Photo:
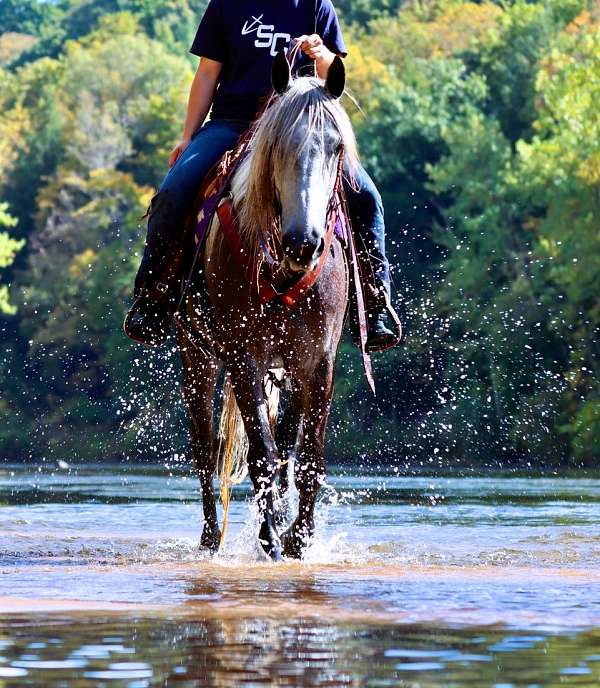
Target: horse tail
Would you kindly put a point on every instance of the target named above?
(232, 466)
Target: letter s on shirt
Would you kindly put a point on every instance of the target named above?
(267, 38)
(264, 36)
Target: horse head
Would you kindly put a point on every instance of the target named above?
(304, 186)
(299, 148)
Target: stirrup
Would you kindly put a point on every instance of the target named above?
(398, 326)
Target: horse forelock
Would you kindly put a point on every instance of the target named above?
(296, 119)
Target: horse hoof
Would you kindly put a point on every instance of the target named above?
(293, 544)
(269, 541)
(210, 540)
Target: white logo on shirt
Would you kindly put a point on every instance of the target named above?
(266, 36)
(253, 26)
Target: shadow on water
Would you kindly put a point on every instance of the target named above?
(147, 651)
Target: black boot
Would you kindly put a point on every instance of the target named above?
(158, 281)
(149, 318)
(367, 218)
(383, 325)
(379, 336)
(382, 334)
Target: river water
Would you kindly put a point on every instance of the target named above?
(410, 581)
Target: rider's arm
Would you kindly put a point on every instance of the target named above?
(323, 62)
(327, 40)
(201, 94)
(199, 102)
(313, 47)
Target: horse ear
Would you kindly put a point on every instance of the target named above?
(336, 77)
(281, 73)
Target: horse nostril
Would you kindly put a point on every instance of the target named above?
(302, 247)
(290, 242)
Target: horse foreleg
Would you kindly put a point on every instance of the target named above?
(263, 458)
(200, 381)
(310, 467)
(288, 437)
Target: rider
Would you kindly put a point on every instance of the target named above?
(237, 41)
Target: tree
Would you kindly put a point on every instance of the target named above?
(27, 16)
(363, 11)
(508, 58)
(478, 122)
(561, 167)
(8, 251)
(105, 92)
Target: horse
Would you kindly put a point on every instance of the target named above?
(281, 193)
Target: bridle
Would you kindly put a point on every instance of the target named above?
(270, 246)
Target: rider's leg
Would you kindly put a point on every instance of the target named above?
(158, 278)
(367, 216)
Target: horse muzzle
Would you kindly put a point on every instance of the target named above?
(302, 251)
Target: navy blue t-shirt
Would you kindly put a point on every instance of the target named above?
(245, 35)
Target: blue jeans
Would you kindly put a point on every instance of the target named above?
(368, 224)
(173, 203)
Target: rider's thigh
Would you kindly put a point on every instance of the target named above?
(207, 146)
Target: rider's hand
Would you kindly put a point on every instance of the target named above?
(312, 46)
(178, 150)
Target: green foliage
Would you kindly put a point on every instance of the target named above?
(509, 55)
(27, 16)
(483, 139)
(561, 167)
(8, 251)
(89, 132)
(171, 22)
(363, 11)
(479, 123)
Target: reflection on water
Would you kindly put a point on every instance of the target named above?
(409, 581)
(143, 652)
